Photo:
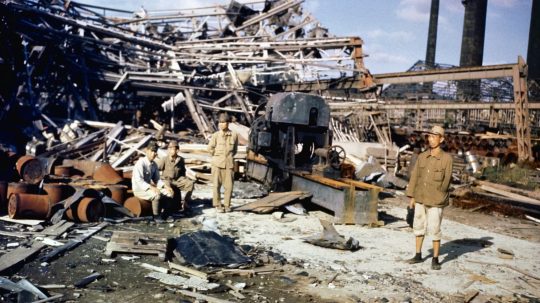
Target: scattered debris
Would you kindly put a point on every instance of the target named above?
(330, 238)
(205, 248)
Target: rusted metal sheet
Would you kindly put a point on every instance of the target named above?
(29, 206)
(138, 207)
(350, 204)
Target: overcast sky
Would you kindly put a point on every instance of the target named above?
(395, 31)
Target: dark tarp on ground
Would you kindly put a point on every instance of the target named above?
(204, 248)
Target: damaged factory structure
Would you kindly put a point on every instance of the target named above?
(119, 129)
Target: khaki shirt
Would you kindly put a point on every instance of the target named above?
(222, 147)
(172, 169)
(430, 179)
(144, 174)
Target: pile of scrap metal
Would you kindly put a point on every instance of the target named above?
(89, 170)
(72, 61)
(82, 190)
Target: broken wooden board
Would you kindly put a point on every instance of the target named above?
(137, 243)
(21, 221)
(57, 229)
(18, 255)
(273, 201)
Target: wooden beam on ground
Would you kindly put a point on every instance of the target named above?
(273, 201)
(19, 255)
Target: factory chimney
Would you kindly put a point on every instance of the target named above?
(474, 28)
(431, 42)
(432, 34)
(472, 44)
(533, 51)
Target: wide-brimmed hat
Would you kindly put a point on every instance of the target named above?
(437, 130)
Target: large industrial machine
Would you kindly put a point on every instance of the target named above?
(290, 143)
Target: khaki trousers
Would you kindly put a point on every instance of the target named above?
(427, 220)
(225, 177)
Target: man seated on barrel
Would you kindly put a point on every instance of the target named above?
(147, 184)
(173, 173)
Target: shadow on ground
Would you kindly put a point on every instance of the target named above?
(455, 248)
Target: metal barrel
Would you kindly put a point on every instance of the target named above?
(117, 192)
(105, 173)
(139, 207)
(29, 206)
(58, 191)
(30, 169)
(86, 210)
(3, 197)
(20, 188)
(63, 170)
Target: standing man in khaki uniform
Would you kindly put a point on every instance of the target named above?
(173, 172)
(428, 190)
(222, 146)
(146, 183)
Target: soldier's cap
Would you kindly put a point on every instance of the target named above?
(224, 117)
(172, 143)
(152, 146)
(437, 130)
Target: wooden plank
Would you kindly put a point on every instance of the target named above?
(528, 193)
(21, 221)
(18, 255)
(112, 135)
(188, 270)
(274, 200)
(13, 234)
(128, 154)
(58, 228)
(202, 297)
(510, 195)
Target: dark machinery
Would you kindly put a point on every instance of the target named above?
(293, 135)
(291, 150)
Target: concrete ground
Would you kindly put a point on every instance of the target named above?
(472, 261)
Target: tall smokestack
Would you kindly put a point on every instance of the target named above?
(472, 45)
(432, 34)
(533, 51)
(432, 41)
(474, 28)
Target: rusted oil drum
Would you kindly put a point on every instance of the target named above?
(87, 210)
(138, 207)
(117, 192)
(127, 174)
(105, 173)
(21, 188)
(29, 206)
(3, 197)
(63, 170)
(58, 191)
(30, 169)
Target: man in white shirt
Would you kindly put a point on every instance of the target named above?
(147, 184)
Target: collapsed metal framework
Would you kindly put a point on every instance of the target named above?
(83, 61)
(516, 112)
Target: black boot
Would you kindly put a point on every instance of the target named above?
(435, 265)
(416, 259)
